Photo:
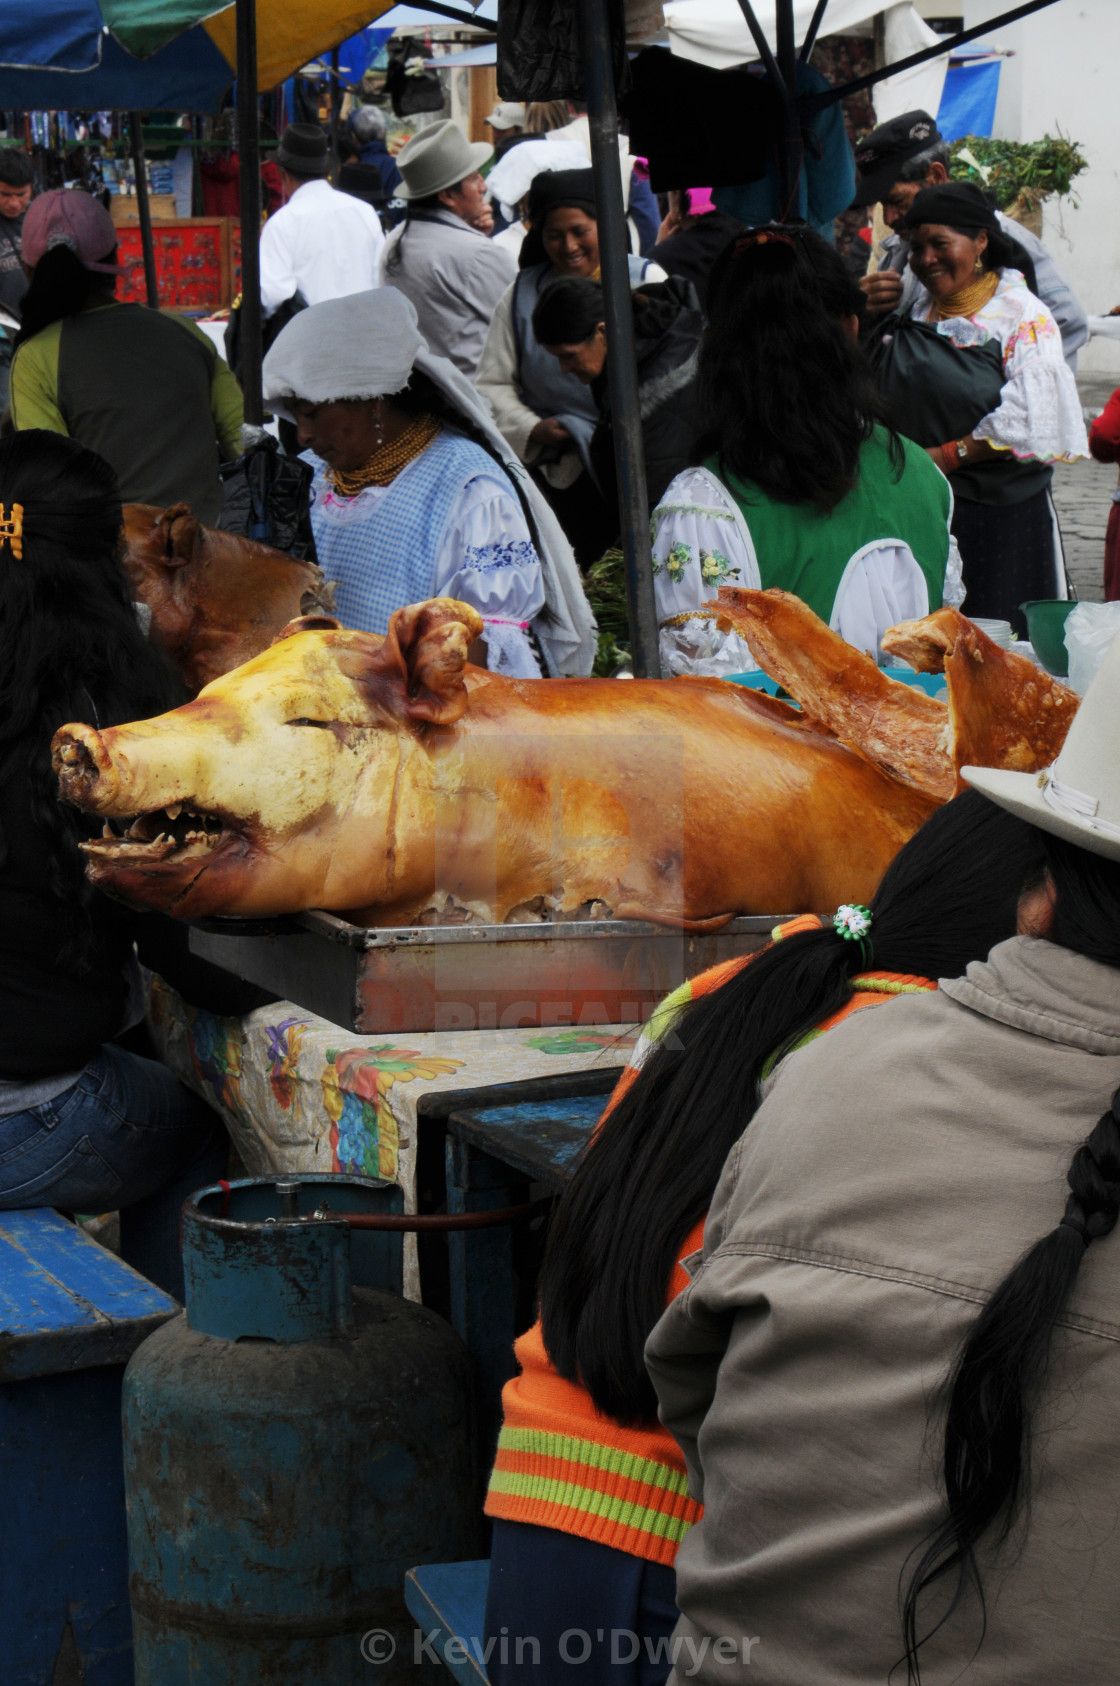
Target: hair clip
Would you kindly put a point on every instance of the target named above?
(852, 921)
(11, 529)
(763, 237)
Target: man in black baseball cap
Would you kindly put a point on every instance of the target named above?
(895, 162)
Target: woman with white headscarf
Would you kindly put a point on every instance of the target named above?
(414, 492)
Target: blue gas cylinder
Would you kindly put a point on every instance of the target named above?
(293, 1444)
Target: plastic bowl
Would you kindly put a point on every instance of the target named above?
(1046, 628)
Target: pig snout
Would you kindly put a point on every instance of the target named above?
(86, 774)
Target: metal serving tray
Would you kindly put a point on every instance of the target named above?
(385, 980)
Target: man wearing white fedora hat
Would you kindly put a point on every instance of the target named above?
(453, 274)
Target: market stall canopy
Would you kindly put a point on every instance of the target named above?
(179, 55)
(715, 32)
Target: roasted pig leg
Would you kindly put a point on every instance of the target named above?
(896, 727)
(1004, 711)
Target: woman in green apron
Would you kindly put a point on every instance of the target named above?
(800, 483)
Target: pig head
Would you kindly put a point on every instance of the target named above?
(216, 599)
(387, 779)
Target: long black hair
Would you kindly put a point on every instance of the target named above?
(649, 1174)
(61, 286)
(986, 1456)
(71, 647)
(785, 392)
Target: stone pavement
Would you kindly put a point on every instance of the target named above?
(1082, 495)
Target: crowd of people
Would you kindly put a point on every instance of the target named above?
(960, 344)
(821, 1368)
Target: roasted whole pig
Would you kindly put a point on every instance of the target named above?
(389, 780)
(216, 598)
(1003, 710)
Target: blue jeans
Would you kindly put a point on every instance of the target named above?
(126, 1135)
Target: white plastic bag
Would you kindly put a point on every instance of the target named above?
(692, 643)
(1090, 630)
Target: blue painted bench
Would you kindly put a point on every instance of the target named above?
(447, 1601)
(71, 1316)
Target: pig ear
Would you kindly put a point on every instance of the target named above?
(308, 623)
(432, 640)
(178, 528)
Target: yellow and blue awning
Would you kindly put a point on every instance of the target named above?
(148, 55)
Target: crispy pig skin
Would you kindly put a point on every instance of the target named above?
(217, 599)
(388, 779)
(1004, 711)
(895, 727)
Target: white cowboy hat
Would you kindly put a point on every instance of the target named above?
(437, 158)
(1077, 798)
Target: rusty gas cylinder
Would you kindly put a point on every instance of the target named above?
(293, 1445)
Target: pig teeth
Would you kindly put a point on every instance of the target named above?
(134, 830)
(173, 813)
(162, 838)
(107, 830)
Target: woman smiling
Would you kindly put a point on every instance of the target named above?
(544, 411)
(977, 376)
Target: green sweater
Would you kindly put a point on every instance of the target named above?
(806, 551)
(143, 388)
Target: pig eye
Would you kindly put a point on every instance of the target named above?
(325, 724)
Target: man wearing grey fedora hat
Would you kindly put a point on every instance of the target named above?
(321, 243)
(453, 275)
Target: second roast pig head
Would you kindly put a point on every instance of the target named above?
(217, 599)
(282, 780)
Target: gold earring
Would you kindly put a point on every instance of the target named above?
(978, 268)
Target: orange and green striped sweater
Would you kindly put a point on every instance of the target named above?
(560, 1462)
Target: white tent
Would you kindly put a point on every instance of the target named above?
(715, 33)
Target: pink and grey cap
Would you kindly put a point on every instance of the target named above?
(69, 217)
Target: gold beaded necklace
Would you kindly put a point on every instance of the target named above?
(387, 461)
(973, 296)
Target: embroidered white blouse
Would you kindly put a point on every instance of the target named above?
(1039, 415)
(701, 541)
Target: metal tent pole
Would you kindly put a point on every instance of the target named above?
(814, 25)
(947, 44)
(790, 155)
(248, 150)
(336, 103)
(144, 209)
(622, 368)
(782, 72)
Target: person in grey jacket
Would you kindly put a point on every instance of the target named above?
(895, 162)
(453, 274)
(894, 1373)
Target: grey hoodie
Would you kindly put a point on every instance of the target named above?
(895, 1173)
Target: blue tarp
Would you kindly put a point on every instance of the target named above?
(64, 33)
(968, 100)
(189, 74)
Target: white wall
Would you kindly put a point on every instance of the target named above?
(1063, 77)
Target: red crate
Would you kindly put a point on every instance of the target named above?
(192, 263)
